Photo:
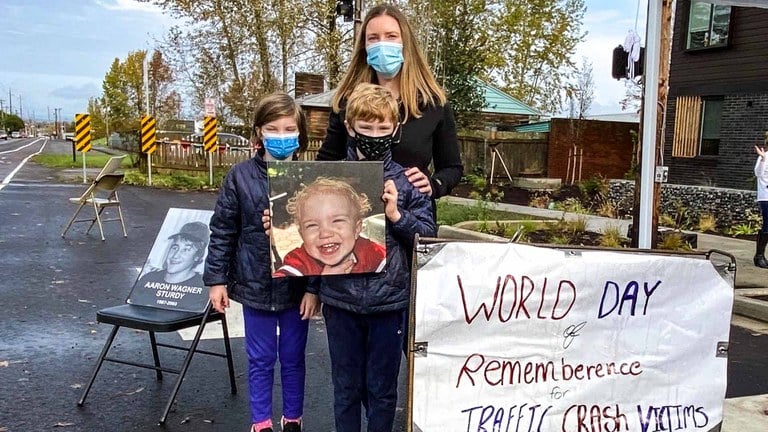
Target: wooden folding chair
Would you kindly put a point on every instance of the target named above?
(102, 193)
(146, 310)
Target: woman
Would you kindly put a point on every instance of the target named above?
(761, 172)
(386, 54)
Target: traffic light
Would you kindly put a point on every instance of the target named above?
(346, 9)
(619, 64)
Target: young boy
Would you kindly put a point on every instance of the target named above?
(364, 313)
(329, 214)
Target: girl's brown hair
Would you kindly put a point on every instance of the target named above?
(274, 106)
(417, 83)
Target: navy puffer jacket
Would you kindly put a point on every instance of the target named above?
(388, 291)
(238, 253)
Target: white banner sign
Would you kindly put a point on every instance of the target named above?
(520, 338)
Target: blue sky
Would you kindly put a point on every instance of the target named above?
(56, 52)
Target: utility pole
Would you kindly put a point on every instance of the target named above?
(10, 101)
(654, 104)
(21, 111)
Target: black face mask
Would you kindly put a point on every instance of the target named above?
(375, 148)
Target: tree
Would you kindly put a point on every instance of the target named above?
(582, 93)
(98, 117)
(123, 99)
(633, 95)
(534, 42)
(11, 122)
(459, 53)
(235, 51)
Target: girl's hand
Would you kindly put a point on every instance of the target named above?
(267, 220)
(309, 306)
(759, 150)
(419, 180)
(219, 297)
(390, 200)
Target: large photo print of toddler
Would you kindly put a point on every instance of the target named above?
(327, 218)
(172, 276)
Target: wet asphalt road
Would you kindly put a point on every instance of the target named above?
(51, 287)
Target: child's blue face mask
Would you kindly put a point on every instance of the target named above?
(281, 146)
(386, 58)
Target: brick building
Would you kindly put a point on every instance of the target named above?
(718, 94)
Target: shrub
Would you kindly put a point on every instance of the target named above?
(539, 200)
(707, 222)
(611, 237)
(673, 241)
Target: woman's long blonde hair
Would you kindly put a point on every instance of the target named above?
(418, 86)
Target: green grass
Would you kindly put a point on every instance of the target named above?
(175, 180)
(92, 160)
(450, 214)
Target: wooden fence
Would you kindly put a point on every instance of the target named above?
(523, 156)
(191, 159)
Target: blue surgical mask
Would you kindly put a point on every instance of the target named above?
(281, 146)
(386, 58)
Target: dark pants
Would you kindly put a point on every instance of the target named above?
(263, 346)
(764, 212)
(365, 361)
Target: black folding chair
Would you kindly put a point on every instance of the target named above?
(145, 311)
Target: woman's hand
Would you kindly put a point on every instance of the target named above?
(419, 180)
(309, 306)
(759, 150)
(219, 297)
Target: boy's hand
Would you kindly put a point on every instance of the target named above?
(419, 180)
(219, 297)
(267, 220)
(344, 267)
(309, 306)
(390, 201)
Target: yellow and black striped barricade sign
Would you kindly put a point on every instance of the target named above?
(148, 134)
(82, 132)
(210, 137)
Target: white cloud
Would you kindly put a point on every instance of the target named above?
(129, 5)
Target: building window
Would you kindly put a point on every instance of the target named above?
(697, 126)
(711, 115)
(708, 25)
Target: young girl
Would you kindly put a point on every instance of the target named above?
(238, 266)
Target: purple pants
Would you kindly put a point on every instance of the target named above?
(264, 346)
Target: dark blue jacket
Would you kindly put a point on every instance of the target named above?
(388, 291)
(238, 253)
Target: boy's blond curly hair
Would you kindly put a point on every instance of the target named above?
(328, 186)
(372, 102)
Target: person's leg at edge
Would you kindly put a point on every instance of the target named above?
(261, 347)
(346, 345)
(762, 237)
(292, 344)
(385, 340)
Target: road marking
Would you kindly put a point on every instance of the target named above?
(24, 146)
(9, 177)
